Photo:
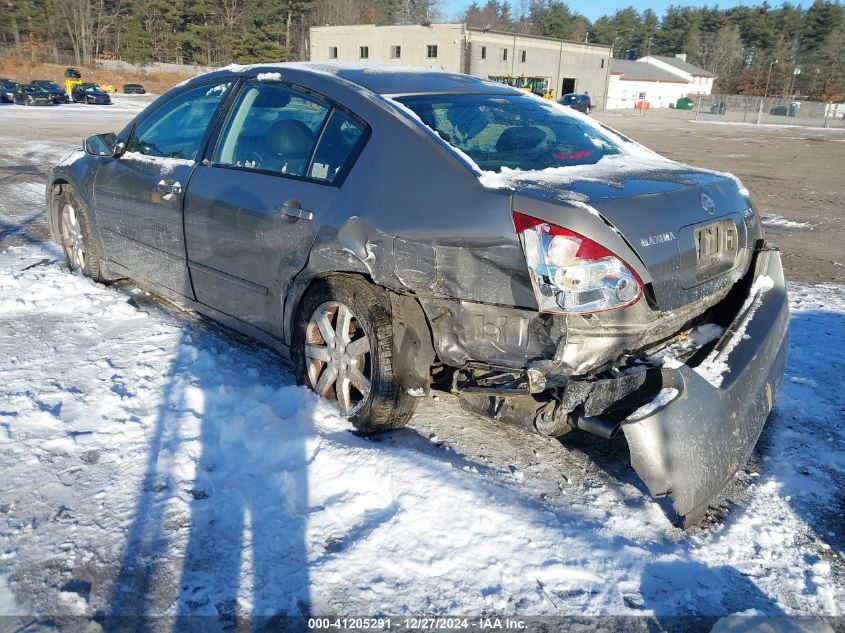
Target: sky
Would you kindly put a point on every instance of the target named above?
(453, 9)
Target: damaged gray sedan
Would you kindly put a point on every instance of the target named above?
(384, 228)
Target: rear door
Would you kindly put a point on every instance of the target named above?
(253, 208)
(138, 197)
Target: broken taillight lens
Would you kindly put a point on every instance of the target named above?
(572, 273)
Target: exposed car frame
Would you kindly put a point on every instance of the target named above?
(444, 259)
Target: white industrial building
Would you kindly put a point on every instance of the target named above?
(563, 66)
(655, 81)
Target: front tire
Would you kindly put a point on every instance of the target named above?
(77, 240)
(343, 349)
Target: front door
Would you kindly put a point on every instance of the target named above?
(138, 197)
(253, 210)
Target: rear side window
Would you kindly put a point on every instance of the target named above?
(340, 138)
(176, 129)
(271, 128)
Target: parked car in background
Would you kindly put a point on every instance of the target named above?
(107, 87)
(56, 92)
(7, 90)
(72, 73)
(720, 107)
(580, 102)
(30, 95)
(90, 93)
(133, 89)
(376, 225)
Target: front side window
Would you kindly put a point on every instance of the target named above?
(431, 51)
(177, 128)
(271, 128)
(512, 131)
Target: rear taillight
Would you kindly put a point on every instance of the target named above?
(571, 273)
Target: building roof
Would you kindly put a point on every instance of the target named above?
(630, 70)
(680, 64)
(529, 36)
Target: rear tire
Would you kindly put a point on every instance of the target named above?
(75, 235)
(343, 350)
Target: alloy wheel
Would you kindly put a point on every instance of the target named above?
(72, 239)
(337, 356)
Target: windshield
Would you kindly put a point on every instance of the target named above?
(513, 131)
(568, 99)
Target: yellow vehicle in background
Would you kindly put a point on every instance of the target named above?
(538, 85)
(107, 87)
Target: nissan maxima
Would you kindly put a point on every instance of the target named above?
(380, 227)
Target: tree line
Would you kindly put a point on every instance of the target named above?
(789, 49)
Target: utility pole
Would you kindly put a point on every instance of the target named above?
(769, 78)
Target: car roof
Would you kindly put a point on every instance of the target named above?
(383, 79)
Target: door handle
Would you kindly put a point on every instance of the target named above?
(293, 209)
(169, 188)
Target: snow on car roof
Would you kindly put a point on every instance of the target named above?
(386, 79)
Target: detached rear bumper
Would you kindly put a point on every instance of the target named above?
(692, 446)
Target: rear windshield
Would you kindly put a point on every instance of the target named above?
(513, 131)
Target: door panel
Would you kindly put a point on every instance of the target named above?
(252, 212)
(140, 225)
(138, 197)
(242, 250)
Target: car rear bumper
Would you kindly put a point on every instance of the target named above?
(691, 447)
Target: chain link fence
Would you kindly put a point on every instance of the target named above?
(756, 110)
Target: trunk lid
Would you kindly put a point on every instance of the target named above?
(692, 230)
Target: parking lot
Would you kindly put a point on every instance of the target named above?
(125, 424)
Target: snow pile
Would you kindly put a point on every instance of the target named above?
(269, 76)
(781, 222)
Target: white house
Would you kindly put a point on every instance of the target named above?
(701, 81)
(633, 82)
(655, 80)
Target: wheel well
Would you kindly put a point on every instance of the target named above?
(56, 188)
(414, 351)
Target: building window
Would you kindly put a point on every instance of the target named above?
(602, 63)
(364, 52)
(522, 57)
(332, 52)
(431, 51)
(504, 54)
(483, 52)
(395, 52)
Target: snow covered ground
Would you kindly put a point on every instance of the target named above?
(153, 463)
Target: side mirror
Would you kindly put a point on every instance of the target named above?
(103, 145)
